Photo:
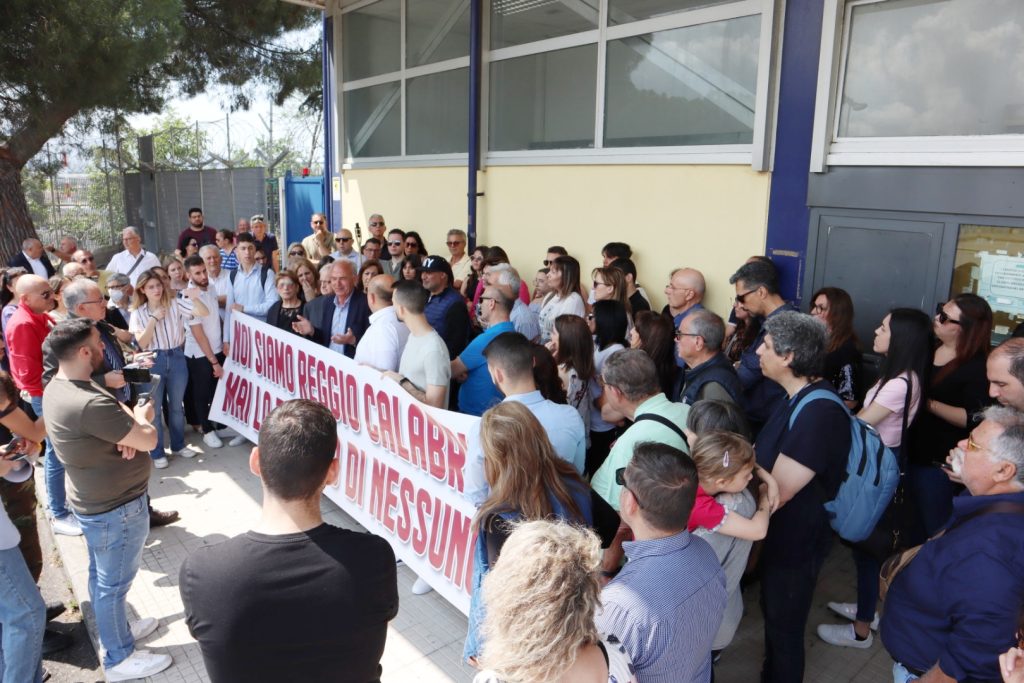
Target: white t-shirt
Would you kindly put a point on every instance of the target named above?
(554, 307)
(210, 323)
(425, 362)
(383, 342)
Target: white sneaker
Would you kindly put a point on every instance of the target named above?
(238, 441)
(143, 627)
(138, 664)
(421, 587)
(848, 610)
(843, 635)
(184, 453)
(212, 440)
(67, 526)
(160, 463)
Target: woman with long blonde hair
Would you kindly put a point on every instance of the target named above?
(541, 598)
(527, 480)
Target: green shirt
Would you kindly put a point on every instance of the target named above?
(603, 481)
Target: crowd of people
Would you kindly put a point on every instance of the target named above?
(626, 462)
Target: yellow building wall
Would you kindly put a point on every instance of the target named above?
(706, 217)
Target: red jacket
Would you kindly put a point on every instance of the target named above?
(26, 331)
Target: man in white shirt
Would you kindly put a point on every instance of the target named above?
(460, 262)
(134, 260)
(203, 350)
(220, 279)
(383, 342)
(345, 248)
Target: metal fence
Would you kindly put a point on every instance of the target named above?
(158, 203)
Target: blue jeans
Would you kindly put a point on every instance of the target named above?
(53, 469)
(22, 621)
(173, 371)
(115, 540)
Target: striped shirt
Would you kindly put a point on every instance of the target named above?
(228, 261)
(666, 606)
(168, 333)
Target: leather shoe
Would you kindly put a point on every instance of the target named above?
(55, 641)
(157, 518)
(54, 609)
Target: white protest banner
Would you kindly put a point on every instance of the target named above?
(401, 460)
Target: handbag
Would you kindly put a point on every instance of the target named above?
(896, 529)
(892, 567)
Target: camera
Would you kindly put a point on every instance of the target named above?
(135, 374)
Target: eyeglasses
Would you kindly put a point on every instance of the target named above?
(600, 284)
(318, 222)
(452, 244)
(972, 445)
(486, 298)
(679, 334)
(296, 253)
(395, 243)
(943, 318)
(46, 294)
(374, 224)
(818, 308)
(342, 239)
(741, 297)
(620, 479)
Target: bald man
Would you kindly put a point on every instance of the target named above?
(382, 345)
(685, 294)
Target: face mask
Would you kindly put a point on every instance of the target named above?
(116, 295)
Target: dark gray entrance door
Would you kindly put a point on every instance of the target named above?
(883, 262)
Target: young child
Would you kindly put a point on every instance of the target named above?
(725, 464)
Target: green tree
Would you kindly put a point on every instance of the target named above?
(65, 59)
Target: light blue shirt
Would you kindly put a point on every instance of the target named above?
(338, 322)
(564, 428)
(665, 607)
(246, 290)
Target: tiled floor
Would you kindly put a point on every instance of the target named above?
(219, 498)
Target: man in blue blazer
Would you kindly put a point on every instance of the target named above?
(337, 322)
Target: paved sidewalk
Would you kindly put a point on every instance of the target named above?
(219, 498)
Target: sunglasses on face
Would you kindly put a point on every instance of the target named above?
(740, 298)
(452, 244)
(342, 239)
(943, 318)
(395, 243)
(374, 224)
(296, 253)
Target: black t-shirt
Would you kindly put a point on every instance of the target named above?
(842, 368)
(309, 607)
(820, 441)
(931, 437)
(638, 303)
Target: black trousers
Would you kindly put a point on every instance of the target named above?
(787, 589)
(202, 385)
